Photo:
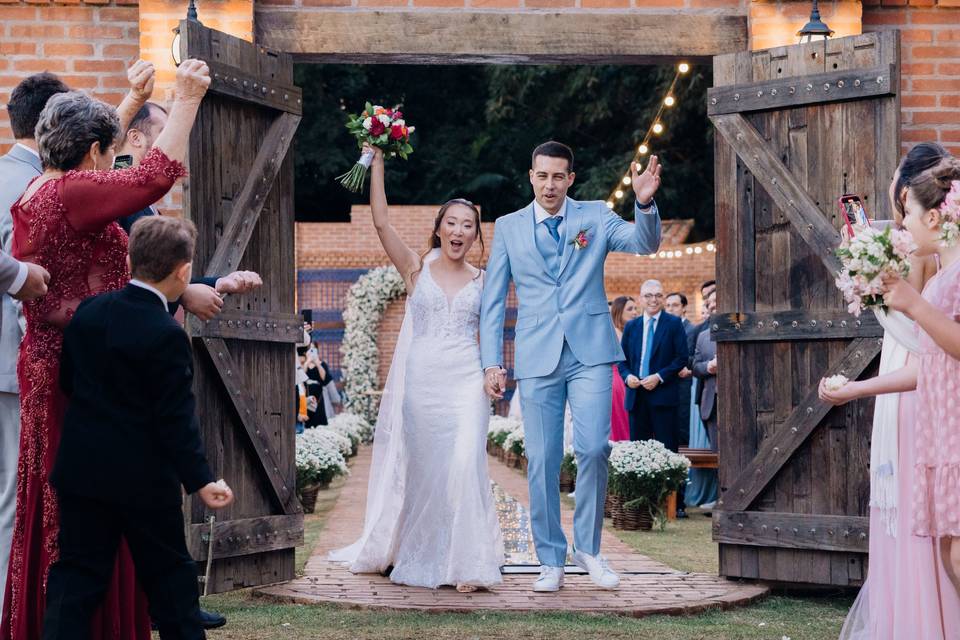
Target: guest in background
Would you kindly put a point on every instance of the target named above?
(66, 221)
(622, 310)
(655, 347)
(705, 368)
(19, 281)
(676, 305)
(703, 487)
(204, 297)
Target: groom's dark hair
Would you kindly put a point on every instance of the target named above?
(554, 149)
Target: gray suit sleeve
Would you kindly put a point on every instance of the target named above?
(700, 358)
(9, 270)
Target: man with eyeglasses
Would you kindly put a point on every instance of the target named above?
(655, 346)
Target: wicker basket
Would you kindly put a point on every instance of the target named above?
(615, 503)
(567, 485)
(308, 497)
(633, 519)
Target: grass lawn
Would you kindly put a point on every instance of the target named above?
(684, 544)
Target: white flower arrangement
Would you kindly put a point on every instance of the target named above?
(366, 301)
(352, 426)
(503, 429)
(319, 457)
(644, 472)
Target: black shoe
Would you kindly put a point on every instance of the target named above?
(211, 620)
(681, 514)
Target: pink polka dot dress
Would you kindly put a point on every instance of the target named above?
(936, 488)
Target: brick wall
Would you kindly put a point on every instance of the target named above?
(89, 44)
(930, 60)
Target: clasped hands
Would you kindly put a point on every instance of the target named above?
(649, 383)
(495, 382)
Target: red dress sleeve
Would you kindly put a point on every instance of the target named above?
(94, 199)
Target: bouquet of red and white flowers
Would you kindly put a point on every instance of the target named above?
(379, 127)
(867, 258)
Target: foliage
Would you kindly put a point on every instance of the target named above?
(479, 123)
(569, 463)
(644, 472)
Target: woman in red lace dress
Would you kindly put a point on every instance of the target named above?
(67, 222)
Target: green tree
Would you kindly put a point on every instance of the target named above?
(476, 126)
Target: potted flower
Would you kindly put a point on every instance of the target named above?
(319, 459)
(568, 471)
(353, 426)
(498, 431)
(642, 475)
(515, 446)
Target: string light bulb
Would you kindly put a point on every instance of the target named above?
(698, 250)
(626, 180)
(643, 149)
(619, 194)
(684, 67)
(657, 128)
(669, 101)
(610, 204)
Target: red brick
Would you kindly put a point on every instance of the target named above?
(383, 3)
(950, 101)
(109, 66)
(33, 31)
(935, 52)
(439, 3)
(67, 49)
(934, 17)
(909, 100)
(950, 135)
(119, 14)
(948, 35)
(917, 69)
(885, 16)
(66, 14)
(916, 35)
(922, 3)
(121, 51)
(81, 82)
(95, 32)
(921, 84)
(936, 117)
(605, 4)
(918, 135)
(495, 4)
(18, 13)
(18, 49)
(949, 68)
(36, 65)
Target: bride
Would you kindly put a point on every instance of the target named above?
(430, 513)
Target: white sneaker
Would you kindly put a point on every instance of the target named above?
(600, 572)
(551, 579)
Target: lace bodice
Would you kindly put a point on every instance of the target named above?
(437, 317)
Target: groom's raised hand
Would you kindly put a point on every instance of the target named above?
(645, 184)
(495, 382)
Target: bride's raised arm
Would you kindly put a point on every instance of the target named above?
(403, 257)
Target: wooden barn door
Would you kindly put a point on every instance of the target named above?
(240, 196)
(797, 127)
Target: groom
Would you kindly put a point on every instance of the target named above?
(554, 250)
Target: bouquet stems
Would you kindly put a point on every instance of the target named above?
(353, 180)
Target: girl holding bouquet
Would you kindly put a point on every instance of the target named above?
(430, 512)
(920, 554)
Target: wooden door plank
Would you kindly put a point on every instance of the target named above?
(782, 186)
(250, 325)
(776, 451)
(245, 536)
(792, 530)
(250, 202)
(282, 489)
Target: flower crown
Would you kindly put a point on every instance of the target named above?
(950, 210)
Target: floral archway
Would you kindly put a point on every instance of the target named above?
(366, 302)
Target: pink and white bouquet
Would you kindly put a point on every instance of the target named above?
(950, 211)
(381, 127)
(867, 258)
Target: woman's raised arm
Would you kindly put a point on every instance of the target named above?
(402, 256)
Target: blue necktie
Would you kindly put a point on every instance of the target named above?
(645, 359)
(553, 224)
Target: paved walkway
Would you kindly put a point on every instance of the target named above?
(646, 587)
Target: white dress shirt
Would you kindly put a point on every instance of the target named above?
(144, 285)
(542, 214)
(646, 319)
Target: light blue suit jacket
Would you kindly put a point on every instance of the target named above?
(17, 168)
(571, 305)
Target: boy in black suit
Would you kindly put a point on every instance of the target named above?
(127, 447)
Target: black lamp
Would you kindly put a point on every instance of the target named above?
(816, 29)
(175, 47)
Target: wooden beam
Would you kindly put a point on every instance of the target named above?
(821, 88)
(786, 191)
(242, 537)
(227, 369)
(798, 324)
(249, 204)
(249, 325)
(792, 530)
(234, 83)
(777, 449)
(517, 37)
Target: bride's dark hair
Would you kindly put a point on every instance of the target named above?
(434, 241)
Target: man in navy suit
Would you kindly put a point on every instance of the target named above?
(655, 346)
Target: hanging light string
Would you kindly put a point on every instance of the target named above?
(685, 251)
(655, 129)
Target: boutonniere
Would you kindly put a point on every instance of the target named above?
(581, 240)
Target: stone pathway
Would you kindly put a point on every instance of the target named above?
(646, 586)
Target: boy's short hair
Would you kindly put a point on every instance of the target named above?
(553, 149)
(159, 245)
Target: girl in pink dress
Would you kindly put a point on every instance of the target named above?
(623, 310)
(930, 509)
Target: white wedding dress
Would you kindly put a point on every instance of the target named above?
(430, 510)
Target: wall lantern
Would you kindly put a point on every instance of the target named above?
(816, 29)
(175, 46)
